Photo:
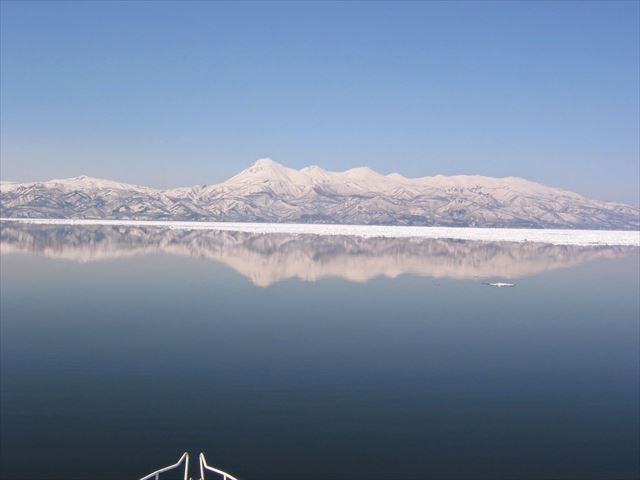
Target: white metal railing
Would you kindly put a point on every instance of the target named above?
(183, 459)
(204, 466)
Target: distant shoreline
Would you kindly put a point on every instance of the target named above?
(550, 236)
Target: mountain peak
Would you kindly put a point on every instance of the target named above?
(362, 173)
(81, 179)
(84, 181)
(266, 162)
(264, 167)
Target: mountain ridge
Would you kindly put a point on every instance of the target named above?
(271, 192)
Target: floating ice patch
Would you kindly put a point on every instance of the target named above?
(554, 237)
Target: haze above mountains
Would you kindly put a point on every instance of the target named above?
(270, 192)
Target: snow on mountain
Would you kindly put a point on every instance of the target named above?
(270, 192)
(75, 183)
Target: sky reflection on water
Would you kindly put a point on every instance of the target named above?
(395, 362)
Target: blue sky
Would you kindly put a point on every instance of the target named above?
(178, 93)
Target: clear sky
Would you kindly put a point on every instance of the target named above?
(179, 93)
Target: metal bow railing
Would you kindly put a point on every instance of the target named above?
(183, 459)
(204, 466)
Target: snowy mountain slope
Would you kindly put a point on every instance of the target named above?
(270, 192)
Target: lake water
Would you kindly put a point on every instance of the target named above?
(306, 357)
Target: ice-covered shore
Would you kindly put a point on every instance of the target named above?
(554, 237)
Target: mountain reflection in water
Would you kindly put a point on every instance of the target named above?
(269, 258)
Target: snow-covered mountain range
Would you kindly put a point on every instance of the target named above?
(270, 192)
(265, 259)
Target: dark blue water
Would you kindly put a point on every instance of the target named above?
(112, 368)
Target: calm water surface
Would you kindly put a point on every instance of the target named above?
(308, 358)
